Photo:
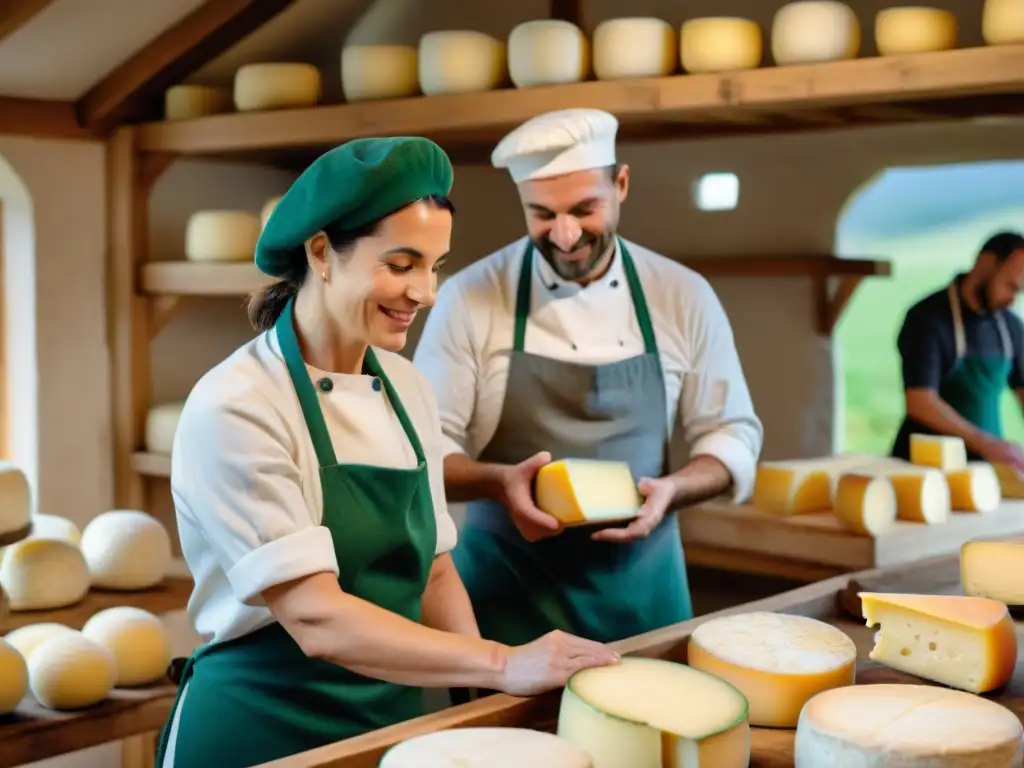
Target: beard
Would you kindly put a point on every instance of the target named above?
(576, 270)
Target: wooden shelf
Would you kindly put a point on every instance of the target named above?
(151, 464)
(190, 278)
(869, 91)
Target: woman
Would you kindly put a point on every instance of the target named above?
(306, 475)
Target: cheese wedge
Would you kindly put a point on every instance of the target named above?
(586, 491)
(909, 726)
(775, 660)
(865, 504)
(975, 488)
(486, 748)
(963, 642)
(648, 713)
(1011, 481)
(938, 451)
(993, 569)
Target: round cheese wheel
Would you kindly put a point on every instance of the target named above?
(911, 29)
(634, 47)
(26, 639)
(909, 726)
(42, 574)
(776, 661)
(126, 550)
(720, 45)
(184, 102)
(486, 748)
(55, 527)
(70, 671)
(13, 678)
(974, 489)
(276, 86)
(139, 641)
(1002, 22)
(865, 503)
(811, 31)
(547, 52)
(15, 499)
(161, 424)
(268, 208)
(460, 62)
(373, 72)
(922, 495)
(221, 236)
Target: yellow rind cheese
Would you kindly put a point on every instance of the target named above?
(375, 72)
(460, 61)
(188, 101)
(547, 52)
(68, 671)
(13, 678)
(909, 29)
(26, 639)
(993, 569)
(587, 491)
(975, 488)
(274, 85)
(634, 47)
(813, 31)
(1002, 22)
(138, 639)
(938, 451)
(865, 504)
(720, 44)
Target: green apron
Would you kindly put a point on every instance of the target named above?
(260, 698)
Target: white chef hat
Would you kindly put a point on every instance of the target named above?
(554, 143)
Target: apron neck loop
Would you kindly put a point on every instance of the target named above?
(960, 335)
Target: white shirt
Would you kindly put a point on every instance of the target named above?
(245, 477)
(468, 335)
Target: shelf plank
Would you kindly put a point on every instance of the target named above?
(151, 464)
(944, 85)
(189, 278)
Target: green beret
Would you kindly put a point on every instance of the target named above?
(351, 186)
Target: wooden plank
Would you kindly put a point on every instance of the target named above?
(40, 119)
(14, 14)
(151, 464)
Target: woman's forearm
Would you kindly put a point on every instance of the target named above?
(468, 480)
(446, 605)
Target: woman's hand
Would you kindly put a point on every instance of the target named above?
(549, 661)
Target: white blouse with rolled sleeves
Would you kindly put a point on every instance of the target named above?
(464, 349)
(245, 477)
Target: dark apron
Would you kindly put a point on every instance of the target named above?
(973, 388)
(260, 698)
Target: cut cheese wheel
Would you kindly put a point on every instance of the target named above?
(993, 569)
(974, 489)
(185, 102)
(13, 678)
(812, 31)
(910, 29)
(42, 574)
(261, 87)
(126, 550)
(1011, 481)
(70, 671)
(638, 47)
(460, 62)
(1002, 22)
(547, 52)
(221, 236)
(909, 726)
(865, 503)
(776, 661)
(15, 499)
(720, 44)
(26, 639)
(268, 208)
(939, 451)
(922, 495)
(647, 712)
(161, 424)
(372, 72)
(139, 641)
(585, 491)
(963, 642)
(486, 748)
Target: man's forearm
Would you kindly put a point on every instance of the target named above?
(468, 480)
(935, 413)
(445, 604)
(703, 478)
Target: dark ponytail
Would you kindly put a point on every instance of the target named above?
(266, 305)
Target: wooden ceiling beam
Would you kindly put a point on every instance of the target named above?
(171, 57)
(40, 119)
(14, 14)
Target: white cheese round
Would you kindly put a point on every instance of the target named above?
(720, 44)
(13, 678)
(15, 498)
(910, 29)
(634, 47)
(184, 102)
(42, 574)
(374, 72)
(486, 748)
(126, 550)
(865, 503)
(55, 527)
(547, 52)
(812, 31)
(139, 641)
(906, 726)
(457, 61)
(26, 639)
(161, 424)
(1002, 22)
(268, 208)
(221, 236)
(70, 671)
(261, 87)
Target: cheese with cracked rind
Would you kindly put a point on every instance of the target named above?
(587, 491)
(865, 503)
(975, 488)
(993, 569)
(375, 72)
(69, 671)
(910, 29)
(126, 549)
(276, 85)
(486, 748)
(221, 236)
(720, 44)
(43, 574)
(547, 52)
(813, 31)
(460, 61)
(13, 678)
(634, 47)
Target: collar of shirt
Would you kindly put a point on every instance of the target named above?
(559, 288)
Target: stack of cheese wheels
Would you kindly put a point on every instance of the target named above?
(161, 424)
(643, 712)
(547, 52)
(587, 491)
(126, 549)
(260, 87)
(994, 569)
(15, 501)
(43, 574)
(383, 71)
(221, 236)
(910, 726)
(137, 639)
(1002, 22)
(975, 488)
(865, 503)
(776, 661)
(634, 47)
(720, 44)
(185, 102)
(69, 671)
(459, 61)
(486, 748)
(910, 29)
(13, 678)
(812, 31)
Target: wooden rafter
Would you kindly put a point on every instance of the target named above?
(40, 119)
(14, 14)
(176, 53)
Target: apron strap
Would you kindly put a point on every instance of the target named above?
(1004, 335)
(961, 336)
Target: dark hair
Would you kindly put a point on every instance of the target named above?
(266, 305)
(1002, 245)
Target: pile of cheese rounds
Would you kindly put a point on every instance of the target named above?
(553, 52)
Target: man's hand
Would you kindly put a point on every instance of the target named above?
(517, 496)
(997, 451)
(658, 495)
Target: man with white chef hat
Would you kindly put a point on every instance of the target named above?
(573, 342)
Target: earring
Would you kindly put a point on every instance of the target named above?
(324, 276)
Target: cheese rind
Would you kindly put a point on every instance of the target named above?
(69, 672)
(186, 102)
(161, 424)
(221, 236)
(26, 639)
(776, 661)
(906, 726)
(812, 31)
(1002, 22)
(865, 503)
(547, 52)
(968, 643)
(375, 72)
(13, 678)
(720, 44)
(587, 492)
(974, 489)
(460, 61)
(938, 451)
(791, 488)
(993, 569)
(15, 498)
(634, 47)
(267, 86)
(908, 29)
(126, 550)
(138, 639)
(486, 748)
(922, 495)
(43, 574)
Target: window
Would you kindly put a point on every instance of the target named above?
(717, 192)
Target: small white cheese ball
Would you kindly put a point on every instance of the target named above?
(55, 527)
(69, 671)
(26, 639)
(138, 640)
(43, 574)
(126, 550)
(13, 678)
